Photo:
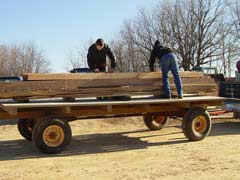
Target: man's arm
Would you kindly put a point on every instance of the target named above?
(152, 59)
(90, 62)
(111, 57)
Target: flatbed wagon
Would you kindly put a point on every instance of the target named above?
(46, 122)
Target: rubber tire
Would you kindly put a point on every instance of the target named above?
(25, 128)
(187, 122)
(39, 128)
(148, 121)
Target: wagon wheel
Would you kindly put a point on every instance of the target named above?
(51, 135)
(25, 128)
(196, 124)
(155, 122)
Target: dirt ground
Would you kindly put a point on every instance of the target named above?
(124, 149)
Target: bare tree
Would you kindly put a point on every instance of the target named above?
(234, 12)
(201, 32)
(233, 17)
(194, 29)
(22, 58)
(118, 47)
(77, 58)
(139, 35)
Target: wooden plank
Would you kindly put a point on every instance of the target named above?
(119, 111)
(116, 91)
(96, 83)
(77, 84)
(89, 111)
(67, 76)
(137, 101)
(103, 84)
(99, 108)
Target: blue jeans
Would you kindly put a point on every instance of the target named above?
(168, 63)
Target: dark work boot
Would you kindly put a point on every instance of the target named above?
(180, 96)
(162, 96)
(167, 97)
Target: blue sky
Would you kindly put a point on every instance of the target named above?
(57, 26)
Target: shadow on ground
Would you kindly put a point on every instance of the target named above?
(8, 122)
(105, 143)
(83, 144)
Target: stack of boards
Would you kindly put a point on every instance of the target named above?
(82, 85)
(230, 89)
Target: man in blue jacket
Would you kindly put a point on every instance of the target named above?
(96, 57)
(168, 63)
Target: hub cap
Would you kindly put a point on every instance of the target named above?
(200, 124)
(158, 119)
(53, 136)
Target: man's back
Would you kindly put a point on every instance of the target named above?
(97, 58)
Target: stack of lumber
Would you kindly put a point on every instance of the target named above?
(230, 89)
(103, 84)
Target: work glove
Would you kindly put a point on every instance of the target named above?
(96, 70)
(111, 70)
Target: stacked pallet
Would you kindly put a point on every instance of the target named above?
(103, 84)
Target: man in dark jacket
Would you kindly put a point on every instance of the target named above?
(168, 63)
(96, 57)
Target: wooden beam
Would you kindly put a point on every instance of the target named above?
(87, 76)
(103, 84)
